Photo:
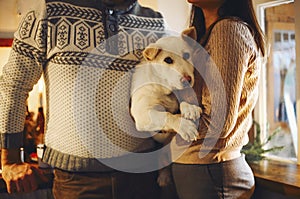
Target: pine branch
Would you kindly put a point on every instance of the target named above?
(255, 151)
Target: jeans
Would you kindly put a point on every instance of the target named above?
(105, 185)
(231, 179)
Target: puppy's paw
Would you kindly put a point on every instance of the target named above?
(190, 111)
(187, 130)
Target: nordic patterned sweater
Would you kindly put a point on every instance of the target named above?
(227, 91)
(86, 52)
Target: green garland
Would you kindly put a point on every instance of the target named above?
(255, 151)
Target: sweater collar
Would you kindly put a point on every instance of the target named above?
(120, 7)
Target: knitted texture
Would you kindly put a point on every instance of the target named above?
(86, 55)
(234, 58)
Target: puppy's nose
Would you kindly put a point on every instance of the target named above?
(186, 80)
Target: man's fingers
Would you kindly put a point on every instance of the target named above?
(19, 186)
(29, 171)
(12, 187)
(26, 186)
(21, 179)
(29, 184)
(8, 187)
(33, 182)
(39, 175)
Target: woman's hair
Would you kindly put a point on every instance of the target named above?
(242, 9)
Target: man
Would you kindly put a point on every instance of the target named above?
(86, 51)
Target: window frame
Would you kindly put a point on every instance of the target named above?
(260, 113)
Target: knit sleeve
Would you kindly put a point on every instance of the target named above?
(230, 47)
(20, 73)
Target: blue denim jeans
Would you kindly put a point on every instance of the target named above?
(105, 185)
(231, 179)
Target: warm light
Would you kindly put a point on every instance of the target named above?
(4, 54)
(41, 85)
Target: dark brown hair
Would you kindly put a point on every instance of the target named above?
(242, 9)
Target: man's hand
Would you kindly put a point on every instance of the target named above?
(19, 178)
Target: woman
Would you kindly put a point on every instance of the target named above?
(212, 166)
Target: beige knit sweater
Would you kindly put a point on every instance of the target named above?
(227, 90)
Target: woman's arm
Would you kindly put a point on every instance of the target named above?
(231, 46)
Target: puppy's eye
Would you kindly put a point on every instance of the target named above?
(186, 56)
(168, 60)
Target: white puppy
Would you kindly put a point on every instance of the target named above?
(167, 67)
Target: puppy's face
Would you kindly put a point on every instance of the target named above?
(172, 58)
(176, 69)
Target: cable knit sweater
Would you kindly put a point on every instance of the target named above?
(227, 91)
(86, 52)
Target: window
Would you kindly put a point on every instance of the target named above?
(277, 107)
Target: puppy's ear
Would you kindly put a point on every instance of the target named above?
(190, 32)
(151, 52)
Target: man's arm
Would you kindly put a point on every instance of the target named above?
(22, 71)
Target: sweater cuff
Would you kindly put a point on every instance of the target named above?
(11, 140)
